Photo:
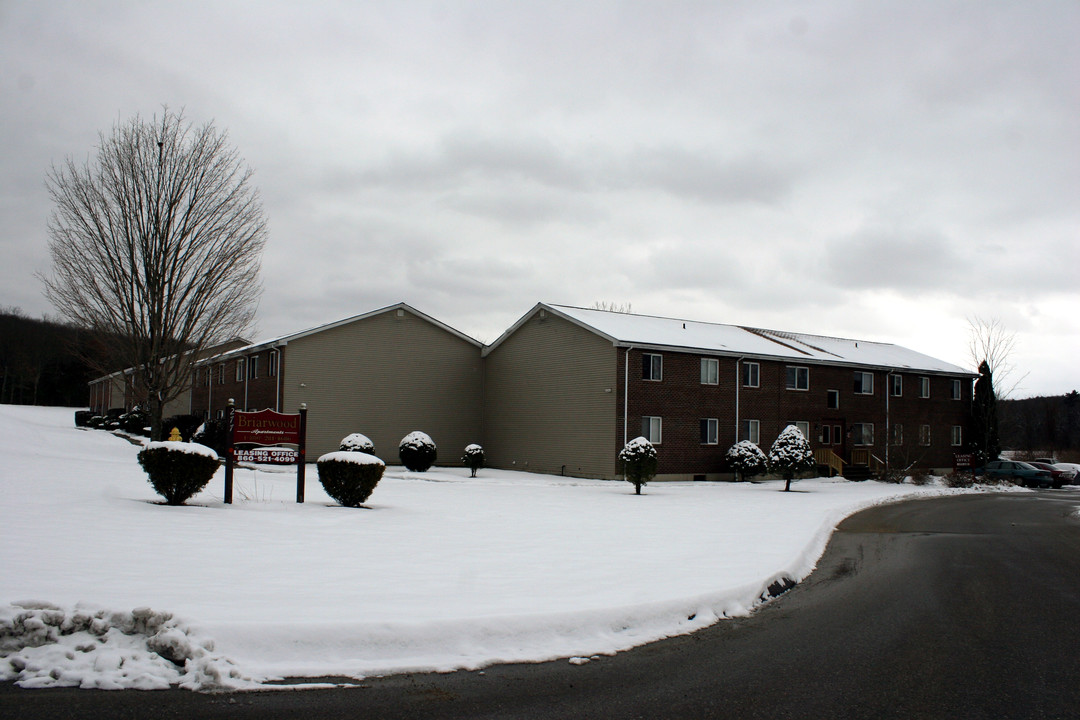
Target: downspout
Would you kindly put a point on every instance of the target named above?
(738, 384)
(210, 392)
(277, 389)
(247, 374)
(888, 433)
(626, 395)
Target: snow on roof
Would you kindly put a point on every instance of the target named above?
(625, 329)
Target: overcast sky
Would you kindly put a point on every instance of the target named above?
(876, 170)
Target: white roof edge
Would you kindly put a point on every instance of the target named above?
(549, 308)
(284, 340)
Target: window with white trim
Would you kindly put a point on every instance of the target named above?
(221, 374)
(272, 364)
(798, 377)
(710, 371)
(864, 383)
(924, 387)
(652, 428)
(652, 366)
(832, 399)
(751, 374)
(253, 367)
(239, 369)
(804, 427)
(896, 385)
(750, 430)
(924, 435)
(862, 434)
(710, 431)
(957, 435)
(825, 438)
(956, 390)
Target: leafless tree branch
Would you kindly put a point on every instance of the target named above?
(157, 243)
(990, 341)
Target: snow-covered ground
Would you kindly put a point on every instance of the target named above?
(102, 586)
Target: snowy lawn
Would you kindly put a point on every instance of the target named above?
(438, 571)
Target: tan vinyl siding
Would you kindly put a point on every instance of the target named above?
(386, 376)
(550, 400)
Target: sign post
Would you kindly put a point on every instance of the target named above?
(268, 430)
(229, 410)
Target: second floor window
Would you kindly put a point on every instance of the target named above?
(832, 399)
(864, 383)
(896, 385)
(253, 367)
(239, 369)
(271, 366)
(751, 374)
(710, 371)
(798, 377)
(652, 367)
(924, 387)
(956, 390)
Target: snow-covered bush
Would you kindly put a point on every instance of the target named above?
(349, 476)
(355, 442)
(178, 470)
(417, 451)
(97, 421)
(473, 458)
(638, 460)
(790, 454)
(746, 459)
(135, 422)
(82, 417)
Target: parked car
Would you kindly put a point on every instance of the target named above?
(1070, 472)
(1018, 472)
(1056, 475)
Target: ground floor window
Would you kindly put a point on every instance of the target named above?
(710, 431)
(924, 435)
(897, 434)
(651, 428)
(957, 435)
(804, 427)
(862, 433)
(750, 430)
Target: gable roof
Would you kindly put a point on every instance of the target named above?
(283, 340)
(661, 333)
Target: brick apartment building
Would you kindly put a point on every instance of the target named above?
(564, 388)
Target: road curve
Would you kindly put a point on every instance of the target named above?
(958, 607)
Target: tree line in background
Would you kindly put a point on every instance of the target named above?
(1041, 424)
(44, 362)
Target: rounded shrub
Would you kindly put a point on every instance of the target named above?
(82, 417)
(357, 443)
(135, 422)
(178, 470)
(746, 459)
(97, 421)
(349, 476)
(639, 463)
(417, 451)
(473, 458)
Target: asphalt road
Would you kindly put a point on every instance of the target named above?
(961, 607)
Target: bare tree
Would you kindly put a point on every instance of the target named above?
(990, 342)
(157, 243)
(611, 306)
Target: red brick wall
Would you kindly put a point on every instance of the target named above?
(258, 393)
(682, 401)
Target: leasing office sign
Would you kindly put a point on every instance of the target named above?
(266, 427)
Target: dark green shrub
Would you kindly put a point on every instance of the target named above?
(96, 421)
(82, 416)
(357, 442)
(417, 451)
(214, 434)
(135, 422)
(186, 424)
(473, 458)
(638, 460)
(178, 470)
(746, 459)
(350, 477)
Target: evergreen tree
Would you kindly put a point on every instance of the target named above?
(790, 454)
(986, 443)
(746, 459)
(639, 463)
